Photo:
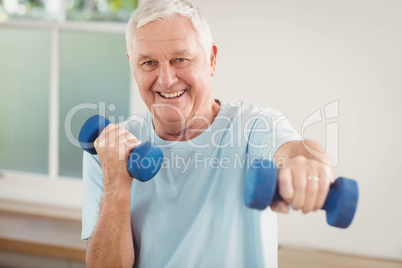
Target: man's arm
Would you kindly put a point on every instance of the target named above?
(296, 165)
(111, 244)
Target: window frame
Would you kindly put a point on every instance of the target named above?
(51, 194)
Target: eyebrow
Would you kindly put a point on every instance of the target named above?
(179, 53)
(183, 52)
(143, 57)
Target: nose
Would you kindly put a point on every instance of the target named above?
(167, 75)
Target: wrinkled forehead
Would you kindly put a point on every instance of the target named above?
(178, 32)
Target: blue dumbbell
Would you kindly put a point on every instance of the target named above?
(145, 160)
(261, 190)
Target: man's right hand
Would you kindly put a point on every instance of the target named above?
(114, 146)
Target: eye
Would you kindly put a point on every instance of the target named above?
(149, 65)
(180, 62)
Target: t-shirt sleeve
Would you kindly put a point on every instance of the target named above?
(270, 130)
(92, 195)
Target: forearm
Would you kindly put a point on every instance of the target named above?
(111, 244)
(307, 148)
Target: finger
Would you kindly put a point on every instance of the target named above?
(326, 176)
(127, 142)
(110, 134)
(311, 193)
(128, 139)
(299, 184)
(280, 207)
(285, 184)
(133, 143)
(106, 137)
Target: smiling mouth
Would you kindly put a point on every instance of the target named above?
(172, 95)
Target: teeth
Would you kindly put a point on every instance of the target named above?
(172, 95)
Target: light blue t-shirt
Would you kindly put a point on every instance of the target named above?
(192, 213)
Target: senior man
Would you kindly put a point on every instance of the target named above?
(191, 214)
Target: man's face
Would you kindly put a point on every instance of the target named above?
(172, 71)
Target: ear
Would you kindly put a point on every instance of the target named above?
(214, 53)
(128, 57)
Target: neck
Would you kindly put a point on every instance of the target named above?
(192, 127)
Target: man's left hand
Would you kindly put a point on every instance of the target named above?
(303, 184)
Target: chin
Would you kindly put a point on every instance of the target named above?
(170, 117)
(170, 113)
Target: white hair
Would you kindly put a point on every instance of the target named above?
(159, 10)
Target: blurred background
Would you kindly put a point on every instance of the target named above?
(64, 60)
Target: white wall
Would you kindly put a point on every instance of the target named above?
(298, 56)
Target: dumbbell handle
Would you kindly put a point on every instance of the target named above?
(329, 201)
(145, 161)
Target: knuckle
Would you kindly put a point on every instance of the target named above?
(325, 182)
(324, 168)
(299, 161)
(297, 203)
(284, 178)
(121, 131)
(285, 194)
(296, 206)
(307, 210)
(324, 186)
(285, 186)
(325, 171)
(309, 206)
(125, 136)
(122, 136)
(99, 143)
(109, 128)
(96, 144)
(275, 206)
(318, 206)
(312, 189)
(300, 184)
(312, 162)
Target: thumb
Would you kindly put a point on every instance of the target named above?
(280, 207)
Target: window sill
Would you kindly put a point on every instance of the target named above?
(41, 236)
(40, 195)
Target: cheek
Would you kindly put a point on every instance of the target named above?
(145, 82)
(190, 76)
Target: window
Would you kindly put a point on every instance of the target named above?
(73, 10)
(61, 61)
(25, 99)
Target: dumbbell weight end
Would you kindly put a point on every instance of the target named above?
(90, 131)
